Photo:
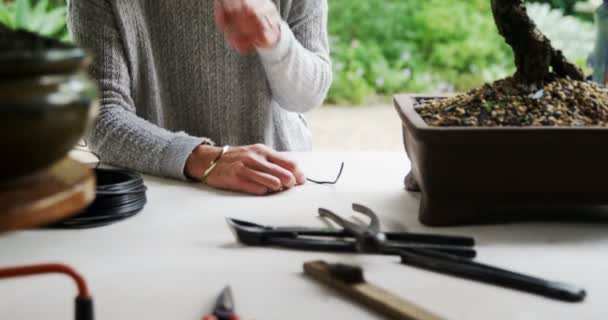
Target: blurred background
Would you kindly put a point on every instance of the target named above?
(383, 47)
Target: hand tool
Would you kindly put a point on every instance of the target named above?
(350, 281)
(464, 268)
(224, 307)
(83, 302)
(351, 238)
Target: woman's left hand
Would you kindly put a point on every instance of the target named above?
(248, 24)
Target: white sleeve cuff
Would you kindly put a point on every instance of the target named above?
(281, 49)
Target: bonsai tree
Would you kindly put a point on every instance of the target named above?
(533, 51)
(466, 174)
(546, 89)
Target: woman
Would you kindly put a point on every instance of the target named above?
(179, 78)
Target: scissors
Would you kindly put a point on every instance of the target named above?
(224, 307)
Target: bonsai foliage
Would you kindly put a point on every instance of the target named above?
(534, 54)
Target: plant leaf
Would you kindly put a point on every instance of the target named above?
(54, 22)
(37, 16)
(22, 11)
(6, 15)
(67, 38)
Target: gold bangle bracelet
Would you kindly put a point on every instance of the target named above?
(214, 163)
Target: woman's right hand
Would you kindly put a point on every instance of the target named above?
(254, 169)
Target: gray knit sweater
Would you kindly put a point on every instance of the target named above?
(169, 81)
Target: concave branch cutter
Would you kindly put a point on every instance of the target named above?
(353, 237)
(224, 307)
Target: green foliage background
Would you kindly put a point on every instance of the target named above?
(389, 46)
(381, 47)
(566, 5)
(45, 17)
(386, 46)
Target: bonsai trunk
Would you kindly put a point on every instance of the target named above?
(533, 51)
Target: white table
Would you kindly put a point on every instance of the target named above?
(171, 260)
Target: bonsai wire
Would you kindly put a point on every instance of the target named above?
(329, 182)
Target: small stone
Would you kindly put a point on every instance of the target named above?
(472, 121)
(487, 93)
(533, 87)
(538, 94)
(449, 108)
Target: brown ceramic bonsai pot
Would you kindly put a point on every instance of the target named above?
(46, 102)
(470, 175)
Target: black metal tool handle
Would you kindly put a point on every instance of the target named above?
(430, 238)
(391, 236)
(395, 248)
(464, 268)
(251, 233)
(339, 245)
(314, 244)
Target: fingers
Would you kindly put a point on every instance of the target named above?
(288, 164)
(271, 182)
(232, 6)
(267, 25)
(278, 159)
(251, 188)
(241, 44)
(248, 24)
(238, 33)
(227, 178)
(282, 161)
(256, 170)
(221, 19)
(300, 177)
(267, 17)
(287, 178)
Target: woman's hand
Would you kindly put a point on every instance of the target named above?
(254, 169)
(248, 24)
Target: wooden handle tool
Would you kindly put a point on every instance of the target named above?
(349, 280)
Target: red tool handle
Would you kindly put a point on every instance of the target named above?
(83, 290)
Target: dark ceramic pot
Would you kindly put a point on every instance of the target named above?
(46, 103)
(470, 175)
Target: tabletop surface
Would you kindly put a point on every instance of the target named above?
(172, 259)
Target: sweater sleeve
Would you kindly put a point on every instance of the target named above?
(298, 68)
(119, 136)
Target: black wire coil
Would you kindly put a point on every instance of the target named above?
(120, 194)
